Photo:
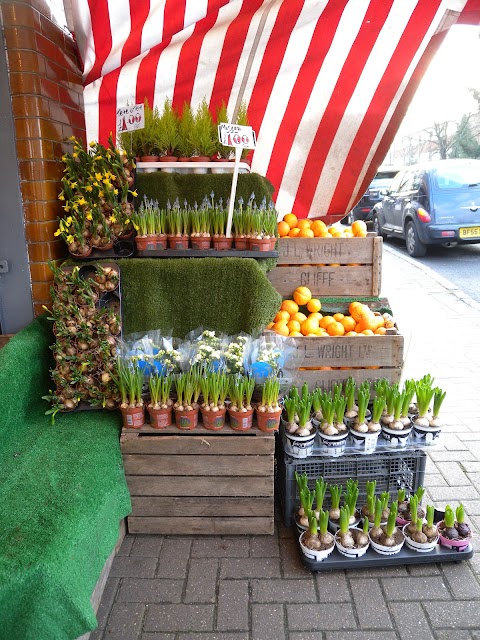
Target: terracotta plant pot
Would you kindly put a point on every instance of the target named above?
(105, 247)
(201, 242)
(178, 242)
(149, 159)
(259, 244)
(82, 255)
(268, 421)
(161, 241)
(160, 418)
(241, 244)
(168, 159)
(213, 420)
(222, 243)
(145, 243)
(133, 417)
(186, 420)
(241, 420)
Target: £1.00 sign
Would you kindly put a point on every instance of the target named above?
(236, 135)
(130, 118)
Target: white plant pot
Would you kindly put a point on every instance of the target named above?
(299, 446)
(395, 437)
(364, 442)
(335, 445)
(387, 551)
(351, 553)
(425, 547)
(426, 435)
(317, 556)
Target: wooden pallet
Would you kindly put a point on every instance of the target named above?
(329, 266)
(199, 482)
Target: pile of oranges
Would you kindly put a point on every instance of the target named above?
(291, 321)
(291, 227)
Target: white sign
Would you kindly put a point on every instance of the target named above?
(236, 135)
(130, 118)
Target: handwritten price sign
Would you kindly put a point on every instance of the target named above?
(235, 135)
(130, 118)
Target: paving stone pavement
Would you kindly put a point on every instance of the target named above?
(256, 588)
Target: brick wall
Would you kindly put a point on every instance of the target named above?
(47, 105)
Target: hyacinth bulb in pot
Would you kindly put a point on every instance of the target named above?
(214, 387)
(268, 411)
(160, 407)
(178, 227)
(410, 509)
(349, 502)
(368, 509)
(239, 224)
(351, 409)
(218, 225)
(332, 433)
(186, 410)
(427, 426)
(425, 535)
(453, 531)
(387, 539)
(380, 511)
(307, 498)
(200, 237)
(240, 411)
(351, 542)
(129, 380)
(364, 433)
(394, 430)
(317, 543)
(299, 433)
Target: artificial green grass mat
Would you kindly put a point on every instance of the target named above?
(193, 188)
(63, 494)
(228, 295)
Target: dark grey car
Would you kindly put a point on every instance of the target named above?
(436, 203)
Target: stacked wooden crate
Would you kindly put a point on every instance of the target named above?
(199, 482)
(345, 269)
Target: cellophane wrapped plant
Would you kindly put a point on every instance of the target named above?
(204, 347)
(86, 338)
(95, 196)
(154, 352)
(236, 353)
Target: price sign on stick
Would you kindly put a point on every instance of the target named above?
(240, 137)
(130, 118)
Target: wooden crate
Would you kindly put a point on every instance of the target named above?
(199, 482)
(329, 266)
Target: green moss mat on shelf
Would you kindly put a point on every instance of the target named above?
(193, 188)
(228, 295)
(63, 494)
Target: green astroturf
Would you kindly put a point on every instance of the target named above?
(62, 495)
(177, 295)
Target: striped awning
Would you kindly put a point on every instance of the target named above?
(327, 82)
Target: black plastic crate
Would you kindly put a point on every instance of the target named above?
(392, 471)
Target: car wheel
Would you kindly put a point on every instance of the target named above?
(377, 228)
(415, 246)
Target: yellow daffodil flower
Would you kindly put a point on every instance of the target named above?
(75, 155)
(89, 216)
(134, 194)
(61, 197)
(57, 232)
(95, 184)
(115, 191)
(82, 201)
(89, 188)
(92, 143)
(64, 158)
(73, 185)
(98, 176)
(101, 194)
(136, 227)
(69, 220)
(69, 239)
(72, 138)
(113, 218)
(127, 221)
(66, 208)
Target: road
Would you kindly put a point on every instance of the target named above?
(460, 265)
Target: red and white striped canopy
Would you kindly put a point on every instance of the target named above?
(327, 82)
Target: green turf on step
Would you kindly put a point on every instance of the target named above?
(226, 294)
(63, 494)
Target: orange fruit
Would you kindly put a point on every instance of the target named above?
(290, 306)
(291, 219)
(325, 321)
(282, 316)
(304, 223)
(322, 332)
(352, 306)
(283, 229)
(361, 311)
(335, 329)
(293, 326)
(294, 232)
(367, 332)
(351, 333)
(314, 305)
(295, 334)
(302, 295)
(359, 229)
(381, 331)
(299, 317)
(309, 326)
(281, 328)
(306, 233)
(338, 316)
(318, 226)
(336, 233)
(348, 323)
(316, 315)
(269, 325)
(347, 233)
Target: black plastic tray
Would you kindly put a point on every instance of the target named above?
(373, 559)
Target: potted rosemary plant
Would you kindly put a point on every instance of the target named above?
(160, 407)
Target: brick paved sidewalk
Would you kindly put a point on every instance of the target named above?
(255, 587)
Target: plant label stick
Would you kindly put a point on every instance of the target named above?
(240, 137)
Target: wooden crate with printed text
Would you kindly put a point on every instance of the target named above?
(329, 266)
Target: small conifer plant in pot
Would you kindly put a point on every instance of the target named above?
(453, 531)
(160, 406)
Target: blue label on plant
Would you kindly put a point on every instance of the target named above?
(145, 367)
(261, 370)
(159, 367)
(216, 365)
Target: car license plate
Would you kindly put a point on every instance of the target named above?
(469, 232)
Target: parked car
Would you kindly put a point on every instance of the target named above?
(363, 210)
(435, 203)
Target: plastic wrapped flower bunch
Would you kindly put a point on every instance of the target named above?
(236, 353)
(273, 355)
(153, 352)
(206, 348)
